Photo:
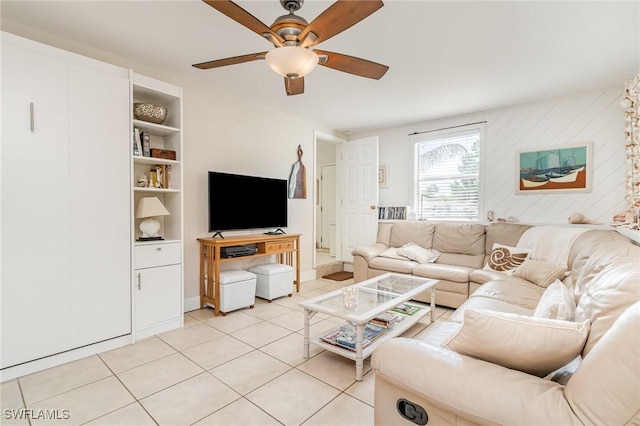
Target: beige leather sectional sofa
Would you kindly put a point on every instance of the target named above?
(511, 354)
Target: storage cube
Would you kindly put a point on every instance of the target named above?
(273, 280)
(237, 290)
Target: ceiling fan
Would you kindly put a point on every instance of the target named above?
(292, 37)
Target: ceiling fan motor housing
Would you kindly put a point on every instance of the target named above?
(291, 5)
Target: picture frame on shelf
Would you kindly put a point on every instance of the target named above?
(552, 170)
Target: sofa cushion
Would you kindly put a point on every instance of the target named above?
(605, 390)
(418, 253)
(439, 271)
(540, 272)
(506, 259)
(609, 294)
(469, 260)
(488, 304)
(392, 265)
(420, 233)
(515, 291)
(483, 275)
(556, 303)
(369, 252)
(536, 346)
(459, 238)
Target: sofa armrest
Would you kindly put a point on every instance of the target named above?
(470, 388)
(369, 252)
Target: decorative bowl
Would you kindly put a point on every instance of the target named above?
(149, 112)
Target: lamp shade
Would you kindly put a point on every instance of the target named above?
(292, 61)
(149, 207)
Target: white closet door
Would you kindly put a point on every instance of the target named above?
(100, 204)
(35, 212)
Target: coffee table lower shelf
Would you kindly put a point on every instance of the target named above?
(396, 330)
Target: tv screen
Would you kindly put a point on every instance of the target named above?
(246, 202)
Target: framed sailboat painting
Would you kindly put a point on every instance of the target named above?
(560, 169)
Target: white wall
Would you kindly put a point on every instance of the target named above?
(595, 116)
(231, 135)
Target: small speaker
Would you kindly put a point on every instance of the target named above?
(412, 412)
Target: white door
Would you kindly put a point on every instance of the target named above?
(327, 204)
(100, 240)
(35, 206)
(359, 189)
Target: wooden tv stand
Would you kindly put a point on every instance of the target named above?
(285, 246)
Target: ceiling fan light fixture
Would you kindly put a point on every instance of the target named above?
(292, 61)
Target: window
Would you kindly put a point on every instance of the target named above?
(447, 174)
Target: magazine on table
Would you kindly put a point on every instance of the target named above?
(345, 336)
(387, 319)
(406, 309)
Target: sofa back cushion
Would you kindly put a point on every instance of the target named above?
(592, 243)
(460, 244)
(604, 390)
(607, 296)
(507, 234)
(384, 233)
(412, 231)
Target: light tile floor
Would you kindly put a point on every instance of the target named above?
(246, 368)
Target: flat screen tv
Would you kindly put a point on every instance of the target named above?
(246, 202)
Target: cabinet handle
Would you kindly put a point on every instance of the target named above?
(158, 248)
(32, 117)
(139, 282)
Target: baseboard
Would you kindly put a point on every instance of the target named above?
(63, 357)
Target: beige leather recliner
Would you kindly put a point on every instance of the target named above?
(417, 378)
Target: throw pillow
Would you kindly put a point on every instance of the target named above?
(418, 253)
(541, 273)
(392, 253)
(506, 259)
(556, 303)
(535, 346)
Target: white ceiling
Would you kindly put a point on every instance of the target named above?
(445, 58)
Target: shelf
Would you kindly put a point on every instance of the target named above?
(155, 129)
(632, 234)
(138, 159)
(156, 190)
(146, 243)
(399, 328)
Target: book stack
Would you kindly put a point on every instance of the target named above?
(386, 319)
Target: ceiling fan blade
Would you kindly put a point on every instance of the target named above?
(294, 86)
(352, 65)
(243, 17)
(230, 61)
(336, 18)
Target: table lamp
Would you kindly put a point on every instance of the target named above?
(148, 208)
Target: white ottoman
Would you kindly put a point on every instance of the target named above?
(273, 280)
(237, 290)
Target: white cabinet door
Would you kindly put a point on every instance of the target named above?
(157, 298)
(35, 211)
(100, 243)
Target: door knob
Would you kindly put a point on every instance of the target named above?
(372, 207)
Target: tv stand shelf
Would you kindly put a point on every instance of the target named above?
(286, 247)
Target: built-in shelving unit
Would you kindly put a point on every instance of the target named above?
(158, 265)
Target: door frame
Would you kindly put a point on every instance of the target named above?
(321, 137)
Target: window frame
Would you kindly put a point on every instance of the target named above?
(441, 134)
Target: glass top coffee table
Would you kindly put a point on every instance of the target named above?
(376, 299)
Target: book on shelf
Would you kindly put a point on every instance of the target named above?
(145, 137)
(136, 142)
(386, 319)
(161, 176)
(406, 309)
